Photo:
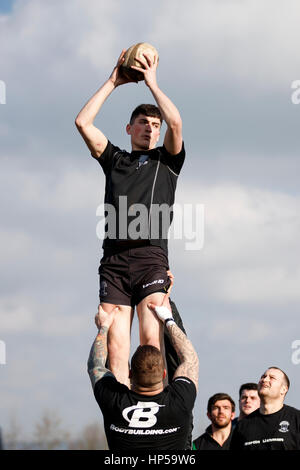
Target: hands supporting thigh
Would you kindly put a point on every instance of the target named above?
(151, 328)
(119, 341)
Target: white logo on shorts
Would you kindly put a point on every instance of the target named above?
(103, 286)
(157, 281)
(143, 415)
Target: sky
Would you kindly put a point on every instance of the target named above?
(6, 6)
(229, 67)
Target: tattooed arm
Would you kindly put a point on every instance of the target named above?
(189, 363)
(98, 354)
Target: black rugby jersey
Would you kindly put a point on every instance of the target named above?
(207, 442)
(140, 187)
(276, 431)
(136, 421)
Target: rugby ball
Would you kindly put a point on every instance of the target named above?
(136, 51)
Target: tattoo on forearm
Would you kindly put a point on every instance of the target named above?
(98, 355)
(186, 354)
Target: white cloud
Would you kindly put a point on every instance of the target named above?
(54, 34)
(71, 190)
(15, 245)
(64, 326)
(229, 329)
(251, 243)
(262, 285)
(236, 40)
(15, 316)
(20, 313)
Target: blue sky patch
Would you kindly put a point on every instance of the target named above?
(6, 6)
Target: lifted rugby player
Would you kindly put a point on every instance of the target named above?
(133, 272)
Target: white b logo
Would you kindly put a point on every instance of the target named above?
(143, 415)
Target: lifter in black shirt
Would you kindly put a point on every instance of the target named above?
(165, 164)
(148, 416)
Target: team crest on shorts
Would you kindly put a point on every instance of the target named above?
(284, 426)
(103, 286)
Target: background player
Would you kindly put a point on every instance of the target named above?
(249, 400)
(274, 425)
(220, 411)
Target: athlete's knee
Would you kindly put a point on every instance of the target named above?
(150, 333)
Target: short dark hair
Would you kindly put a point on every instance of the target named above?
(247, 386)
(286, 379)
(147, 366)
(219, 396)
(147, 110)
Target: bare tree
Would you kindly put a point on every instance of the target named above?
(12, 436)
(48, 432)
(92, 438)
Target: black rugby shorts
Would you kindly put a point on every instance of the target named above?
(127, 276)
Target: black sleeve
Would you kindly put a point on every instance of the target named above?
(106, 158)
(174, 162)
(106, 390)
(185, 389)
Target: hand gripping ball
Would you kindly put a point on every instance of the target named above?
(137, 50)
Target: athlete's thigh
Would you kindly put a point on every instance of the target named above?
(119, 332)
(150, 327)
(118, 343)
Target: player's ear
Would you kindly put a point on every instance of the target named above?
(128, 129)
(284, 390)
(165, 373)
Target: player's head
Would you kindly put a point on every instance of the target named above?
(144, 127)
(149, 110)
(249, 400)
(147, 367)
(273, 384)
(220, 410)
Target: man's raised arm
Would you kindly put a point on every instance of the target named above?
(93, 137)
(169, 112)
(98, 354)
(189, 363)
